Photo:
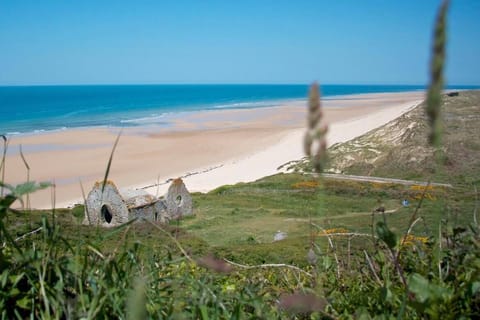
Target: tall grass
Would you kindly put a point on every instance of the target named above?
(315, 147)
(315, 143)
(27, 167)
(437, 63)
(2, 164)
(110, 159)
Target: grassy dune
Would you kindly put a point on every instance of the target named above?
(400, 149)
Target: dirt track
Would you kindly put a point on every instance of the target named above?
(383, 180)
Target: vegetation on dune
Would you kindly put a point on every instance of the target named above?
(353, 250)
(401, 148)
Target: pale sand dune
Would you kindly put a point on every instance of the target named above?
(213, 148)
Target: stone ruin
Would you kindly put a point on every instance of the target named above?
(113, 207)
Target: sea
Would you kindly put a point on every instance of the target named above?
(36, 109)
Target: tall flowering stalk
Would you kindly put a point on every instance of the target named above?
(315, 147)
(433, 110)
(315, 144)
(434, 98)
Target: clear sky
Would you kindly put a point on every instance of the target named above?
(241, 41)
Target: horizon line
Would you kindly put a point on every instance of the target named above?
(229, 84)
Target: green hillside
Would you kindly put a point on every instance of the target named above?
(351, 249)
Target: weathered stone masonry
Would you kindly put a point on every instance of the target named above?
(112, 207)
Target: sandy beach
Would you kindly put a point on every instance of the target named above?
(208, 149)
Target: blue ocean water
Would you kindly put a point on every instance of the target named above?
(26, 109)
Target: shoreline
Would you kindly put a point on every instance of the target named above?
(171, 117)
(212, 148)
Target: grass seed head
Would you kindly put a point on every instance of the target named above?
(434, 98)
(314, 143)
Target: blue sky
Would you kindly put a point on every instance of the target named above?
(334, 42)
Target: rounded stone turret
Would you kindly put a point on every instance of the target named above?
(178, 200)
(106, 208)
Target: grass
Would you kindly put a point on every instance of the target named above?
(238, 223)
(261, 208)
(361, 254)
(362, 267)
(241, 220)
